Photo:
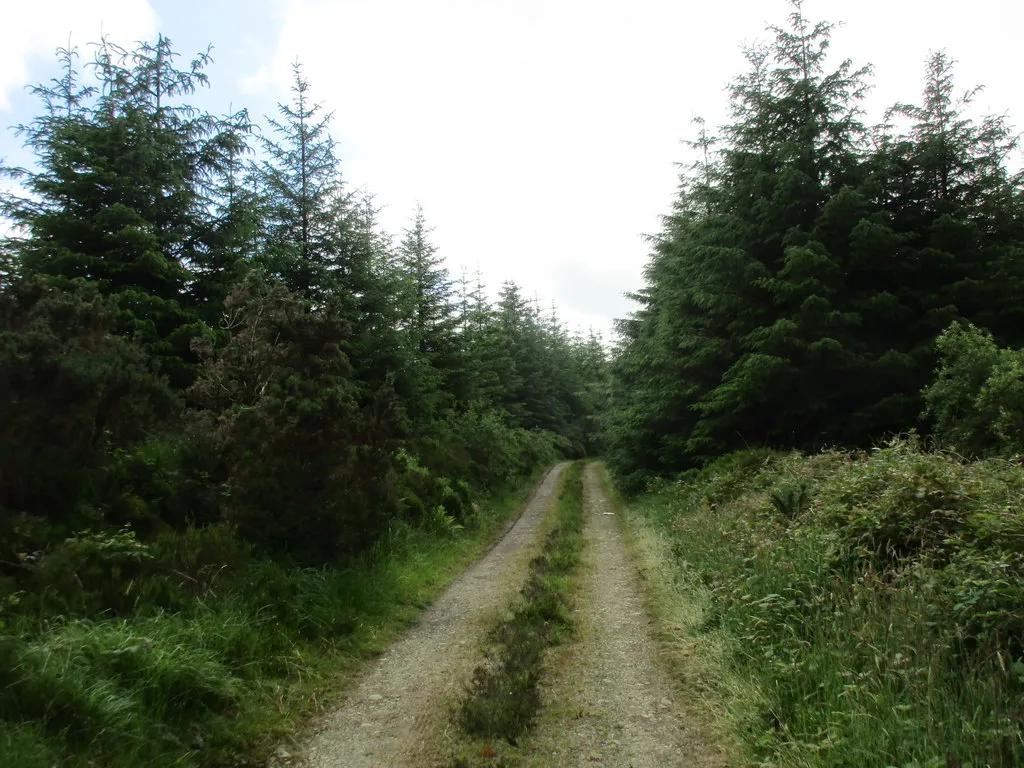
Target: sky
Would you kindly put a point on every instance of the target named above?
(541, 137)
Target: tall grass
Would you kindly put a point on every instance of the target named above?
(874, 601)
(212, 667)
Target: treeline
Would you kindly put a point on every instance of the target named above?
(795, 294)
(202, 324)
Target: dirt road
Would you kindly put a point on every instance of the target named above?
(608, 701)
(396, 714)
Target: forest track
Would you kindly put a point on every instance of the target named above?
(608, 701)
(396, 712)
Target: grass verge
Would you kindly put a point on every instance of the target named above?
(849, 609)
(503, 699)
(223, 678)
(718, 701)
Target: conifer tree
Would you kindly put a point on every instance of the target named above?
(481, 343)
(430, 307)
(229, 246)
(795, 293)
(120, 196)
(302, 191)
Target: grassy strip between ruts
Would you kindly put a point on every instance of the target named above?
(504, 697)
(227, 678)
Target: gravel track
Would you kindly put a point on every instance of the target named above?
(608, 701)
(397, 711)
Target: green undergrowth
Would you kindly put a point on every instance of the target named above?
(222, 656)
(850, 609)
(504, 697)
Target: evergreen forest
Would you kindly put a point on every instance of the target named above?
(230, 399)
(247, 433)
(795, 294)
(818, 409)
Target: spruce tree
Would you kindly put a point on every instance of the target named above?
(230, 244)
(302, 191)
(430, 290)
(120, 197)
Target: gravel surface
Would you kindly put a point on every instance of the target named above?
(608, 701)
(397, 712)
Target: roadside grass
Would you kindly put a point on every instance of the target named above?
(849, 609)
(228, 674)
(504, 698)
(718, 701)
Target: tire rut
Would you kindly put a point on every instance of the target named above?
(608, 701)
(396, 713)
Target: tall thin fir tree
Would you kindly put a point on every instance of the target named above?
(431, 311)
(302, 187)
(229, 246)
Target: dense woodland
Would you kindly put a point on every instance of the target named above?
(240, 423)
(811, 260)
(238, 419)
(822, 393)
(202, 323)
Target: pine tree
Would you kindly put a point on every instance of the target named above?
(482, 346)
(229, 245)
(120, 197)
(430, 321)
(796, 291)
(303, 192)
(947, 188)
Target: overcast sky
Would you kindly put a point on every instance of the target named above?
(540, 136)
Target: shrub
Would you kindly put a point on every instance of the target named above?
(92, 573)
(197, 562)
(977, 398)
(281, 412)
(893, 597)
(160, 484)
(72, 392)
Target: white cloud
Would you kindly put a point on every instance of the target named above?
(534, 133)
(38, 27)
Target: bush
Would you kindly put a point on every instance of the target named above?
(863, 589)
(91, 573)
(500, 454)
(977, 399)
(282, 423)
(196, 562)
(159, 484)
(72, 393)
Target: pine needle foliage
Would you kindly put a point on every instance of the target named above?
(796, 291)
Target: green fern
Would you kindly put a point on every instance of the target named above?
(790, 500)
